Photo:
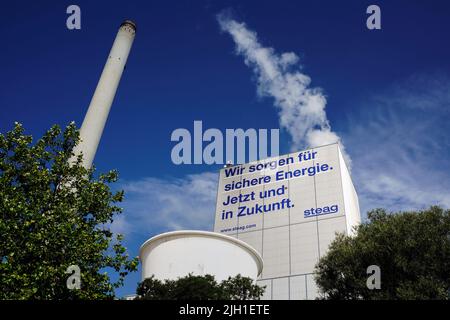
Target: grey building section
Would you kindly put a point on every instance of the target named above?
(290, 241)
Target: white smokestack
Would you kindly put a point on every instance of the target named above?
(97, 114)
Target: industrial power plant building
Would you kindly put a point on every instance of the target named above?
(289, 209)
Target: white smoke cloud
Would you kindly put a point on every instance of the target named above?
(301, 108)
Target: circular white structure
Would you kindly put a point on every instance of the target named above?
(176, 254)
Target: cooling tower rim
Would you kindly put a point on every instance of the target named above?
(172, 235)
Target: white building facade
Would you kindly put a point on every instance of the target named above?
(289, 209)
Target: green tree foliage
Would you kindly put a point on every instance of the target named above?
(53, 215)
(412, 250)
(199, 288)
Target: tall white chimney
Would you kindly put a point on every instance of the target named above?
(97, 114)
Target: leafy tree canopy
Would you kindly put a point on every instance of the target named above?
(412, 250)
(54, 215)
(199, 288)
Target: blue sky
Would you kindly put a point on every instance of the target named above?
(387, 93)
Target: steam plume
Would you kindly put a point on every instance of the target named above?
(301, 109)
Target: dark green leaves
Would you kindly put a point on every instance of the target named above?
(411, 248)
(53, 215)
(199, 288)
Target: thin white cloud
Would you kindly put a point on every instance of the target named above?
(400, 146)
(301, 109)
(156, 205)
